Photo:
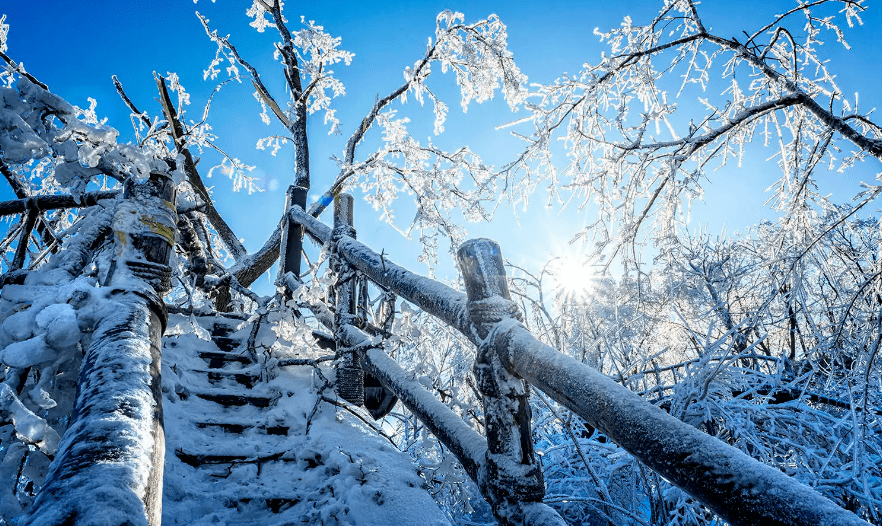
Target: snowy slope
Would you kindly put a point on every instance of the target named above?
(238, 450)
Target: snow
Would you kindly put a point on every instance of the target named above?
(60, 322)
(733, 484)
(330, 469)
(33, 351)
(28, 425)
(103, 469)
(739, 488)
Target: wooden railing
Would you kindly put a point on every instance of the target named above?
(740, 489)
(30, 209)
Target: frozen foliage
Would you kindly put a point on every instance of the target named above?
(445, 185)
(721, 341)
(767, 341)
(37, 125)
(629, 147)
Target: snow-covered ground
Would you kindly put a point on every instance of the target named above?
(242, 449)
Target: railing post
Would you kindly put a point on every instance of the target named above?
(350, 376)
(292, 234)
(114, 449)
(511, 474)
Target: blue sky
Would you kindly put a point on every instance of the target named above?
(75, 47)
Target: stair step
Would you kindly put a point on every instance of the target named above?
(216, 360)
(221, 330)
(240, 428)
(218, 376)
(231, 400)
(198, 460)
(226, 344)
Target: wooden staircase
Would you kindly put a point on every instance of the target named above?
(240, 449)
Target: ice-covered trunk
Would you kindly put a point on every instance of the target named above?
(109, 465)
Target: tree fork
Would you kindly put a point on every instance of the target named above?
(223, 229)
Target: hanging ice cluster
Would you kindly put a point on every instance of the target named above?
(43, 324)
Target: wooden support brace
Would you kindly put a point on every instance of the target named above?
(292, 234)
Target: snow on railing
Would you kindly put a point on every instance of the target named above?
(740, 489)
(30, 209)
(109, 464)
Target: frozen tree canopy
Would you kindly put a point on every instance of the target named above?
(147, 378)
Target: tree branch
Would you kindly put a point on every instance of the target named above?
(177, 130)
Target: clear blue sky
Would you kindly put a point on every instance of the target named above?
(75, 47)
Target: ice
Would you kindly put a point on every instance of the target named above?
(28, 353)
(60, 322)
(29, 426)
(19, 326)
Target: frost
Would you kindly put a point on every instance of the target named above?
(4, 33)
(34, 351)
(60, 322)
(28, 426)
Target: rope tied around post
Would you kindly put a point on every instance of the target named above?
(350, 376)
(511, 474)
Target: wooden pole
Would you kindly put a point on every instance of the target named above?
(292, 234)
(114, 449)
(350, 376)
(512, 474)
(740, 489)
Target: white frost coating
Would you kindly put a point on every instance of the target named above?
(33, 351)
(641, 428)
(60, 322)
(105, 459)
(18, 326)
(737, 487)
(28, 425)
(419, 400)
(431, 296)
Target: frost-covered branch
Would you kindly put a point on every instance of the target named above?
(177, 130)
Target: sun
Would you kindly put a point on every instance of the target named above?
(572, 276)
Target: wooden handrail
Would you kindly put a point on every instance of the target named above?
(737, 487)
(54, 202)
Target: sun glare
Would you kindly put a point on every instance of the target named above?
(572, 276)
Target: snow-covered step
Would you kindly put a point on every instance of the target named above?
(220, 360)
(253, 447)
(227, 344)
(235, 400)
(240, 428)
(197, 460)
(223, 377)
